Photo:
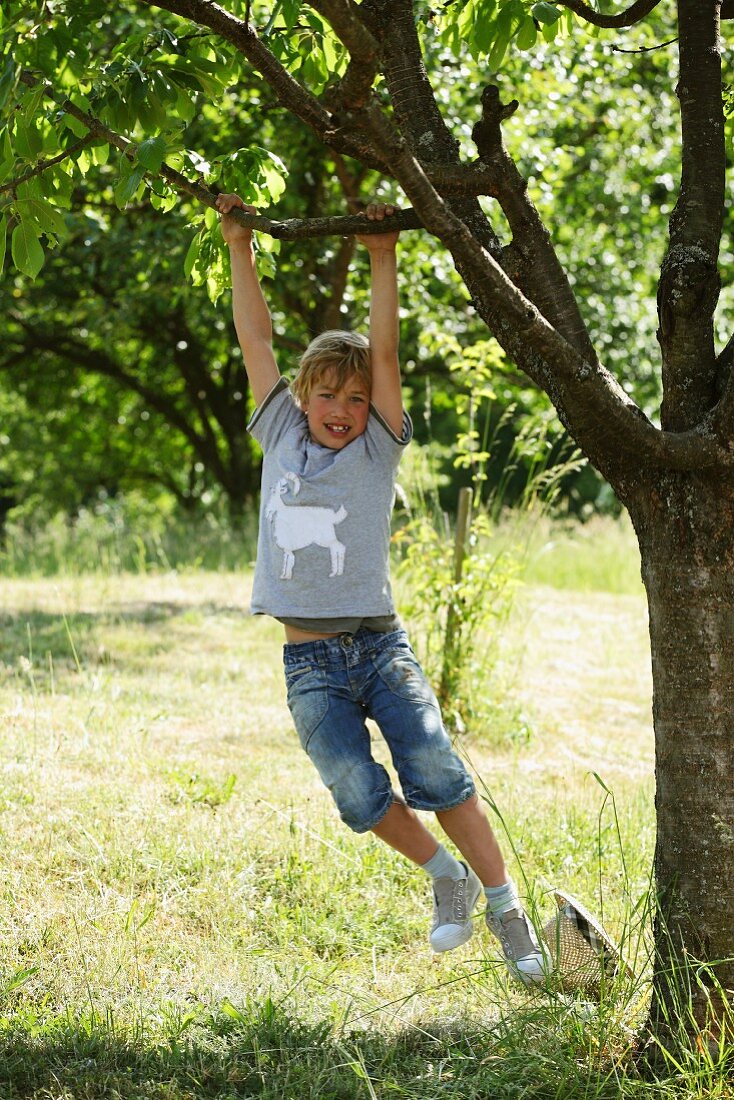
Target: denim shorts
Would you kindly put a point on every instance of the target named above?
(334, 685)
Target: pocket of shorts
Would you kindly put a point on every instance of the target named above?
(308, 700)
(293, 675)
(403, 676)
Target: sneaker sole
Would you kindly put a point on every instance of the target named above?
(462, 935)
(538, 974)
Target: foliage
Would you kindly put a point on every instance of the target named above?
(127, 533)
(455, 623)
(188, 100)
(459, 591)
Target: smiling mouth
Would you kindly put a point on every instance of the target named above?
(339, 429)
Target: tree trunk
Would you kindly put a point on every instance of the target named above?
(685, 527)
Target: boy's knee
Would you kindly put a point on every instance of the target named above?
(362, 795)
(432, 781)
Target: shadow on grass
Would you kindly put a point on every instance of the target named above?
(263, 1052)
(40, 635)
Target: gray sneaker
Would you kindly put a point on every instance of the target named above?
(453, 901)
(525, 957)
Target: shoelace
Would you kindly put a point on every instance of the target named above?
(454, 896)
(507, 945)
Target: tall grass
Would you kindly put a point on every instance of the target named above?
(126, 535)
(600, 555)
(184, 916)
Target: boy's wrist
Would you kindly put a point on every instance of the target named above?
(240, 244)
(385, 255)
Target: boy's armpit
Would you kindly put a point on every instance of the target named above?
(274, 416)
(407, 434)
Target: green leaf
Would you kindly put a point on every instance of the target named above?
(527, 35)
(3, 238)
(31, 189)
(192, 255)
(484, 28)
(499, 49)
(31, 102)
(509, 18)
(152, 113)
(228, 1009)
(128, 185)
(62, 178)
(77, 128)
(22, 145)
(101, 153)
(7, 81)
(549, 30)
(151, 153)
(7, 156)
(26, 249)
(19, 978)
(83, 161)
(274, 181)
(545, 13)
(49, 220)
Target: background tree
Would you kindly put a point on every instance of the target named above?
(354, 77)
(154, 419)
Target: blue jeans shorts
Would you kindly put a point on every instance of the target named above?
(334, 684)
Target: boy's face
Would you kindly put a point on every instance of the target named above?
(337, 416)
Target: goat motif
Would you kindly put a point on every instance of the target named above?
(300, 525)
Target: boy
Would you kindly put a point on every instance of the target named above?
(331, 452)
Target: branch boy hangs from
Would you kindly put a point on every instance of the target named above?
(331, 448)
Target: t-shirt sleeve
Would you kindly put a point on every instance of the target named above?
(274, 416)
(378, 426)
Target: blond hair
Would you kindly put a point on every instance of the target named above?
(340, 355)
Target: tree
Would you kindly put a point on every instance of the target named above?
(133, 384)
(354, 76)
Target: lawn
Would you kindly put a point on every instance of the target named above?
(185, 917)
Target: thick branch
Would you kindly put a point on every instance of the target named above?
(354, 87)
(537, 269)
(340, 226)
(634, 13)
(415, 109)
(418, 115)
(600, 415)
(290, 94)
(689, 282)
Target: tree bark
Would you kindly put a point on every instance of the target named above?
(685, 526)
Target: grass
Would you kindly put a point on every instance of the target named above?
(183, 916)
(598, 556)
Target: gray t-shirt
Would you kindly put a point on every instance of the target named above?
(324, 535)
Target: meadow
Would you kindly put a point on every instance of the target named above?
(183, 914)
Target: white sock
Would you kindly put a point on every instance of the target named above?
(443, 865)
(500, 899)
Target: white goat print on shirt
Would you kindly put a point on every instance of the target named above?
(295, 526)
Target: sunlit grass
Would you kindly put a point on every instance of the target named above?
(598, 556)
(184, 916)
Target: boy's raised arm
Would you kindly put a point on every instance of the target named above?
(249, 308)
(384, 326)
